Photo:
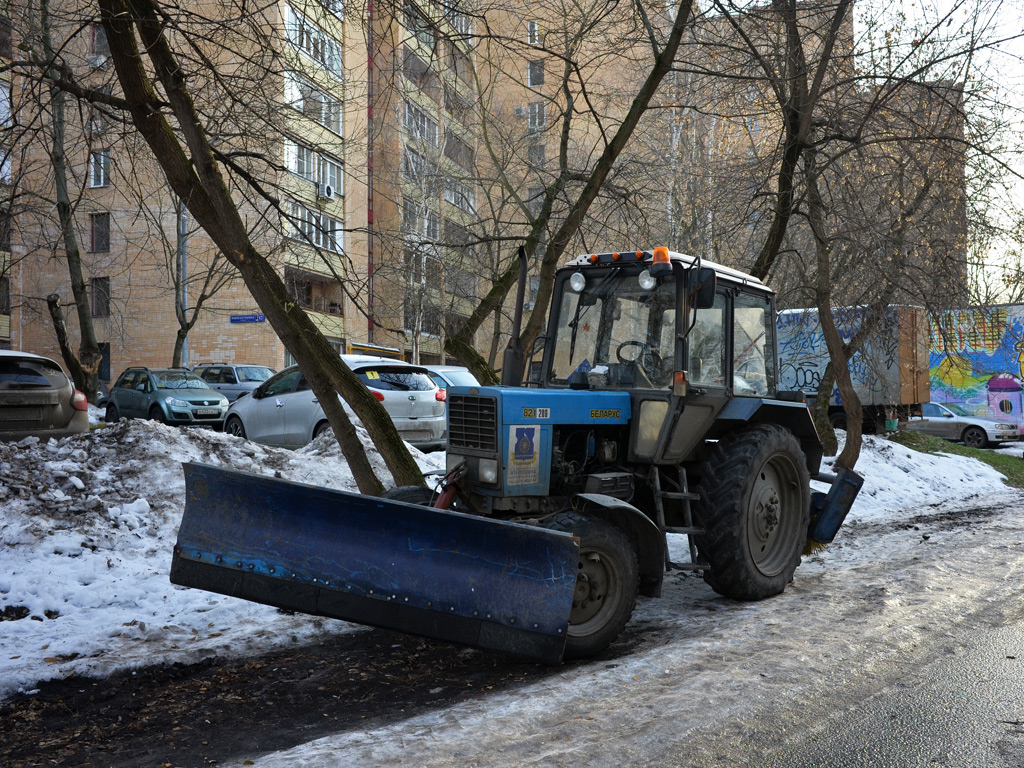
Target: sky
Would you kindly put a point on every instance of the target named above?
(87, 524)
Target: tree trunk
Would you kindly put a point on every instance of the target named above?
(83, 367)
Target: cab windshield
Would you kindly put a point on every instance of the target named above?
(614, 331)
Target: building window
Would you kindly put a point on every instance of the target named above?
(313, 41)
(99, 45)
(6, 44)
(104, 371)
(419, 26)
(459, 195)
(5, 229)
(535, 200)
(316, 229)
(313, 103)
(420, 125)
(298, 158)
(100, 288)
(414, 166)
(5, 295)
(329, 172)
(460, 22)
(100, 232)
(535, 74)
(537, 116)
(301, 291)
(533, 32)
(337, 7)
(537, 155)
(417, 220)
(458, 150)
(99, 168)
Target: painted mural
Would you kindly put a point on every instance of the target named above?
(977, 360)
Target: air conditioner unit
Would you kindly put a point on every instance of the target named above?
(325, 192)
(520, 111)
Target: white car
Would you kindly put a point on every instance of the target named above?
(283, 410)
(952, 422)
(452, 376)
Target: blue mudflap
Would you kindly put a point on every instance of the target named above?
(467, 579)
(828, 511)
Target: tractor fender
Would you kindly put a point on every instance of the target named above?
(784, 411)
(648, 542)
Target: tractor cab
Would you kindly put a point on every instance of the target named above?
(681, 336)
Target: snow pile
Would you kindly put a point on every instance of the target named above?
(87, 524)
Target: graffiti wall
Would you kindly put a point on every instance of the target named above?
(889, 369)
(977, 360)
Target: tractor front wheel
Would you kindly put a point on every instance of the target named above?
(754, 508)
(607, 581)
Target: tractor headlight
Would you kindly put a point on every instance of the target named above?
(578, 281)
(488, 469)
(647, 281)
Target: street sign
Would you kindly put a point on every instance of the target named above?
(248, 318)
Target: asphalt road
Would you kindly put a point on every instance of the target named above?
(960, 705)
(964, 708)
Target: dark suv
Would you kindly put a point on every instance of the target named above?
(171, 395)
(232, 380)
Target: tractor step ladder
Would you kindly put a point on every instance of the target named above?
(688, 528)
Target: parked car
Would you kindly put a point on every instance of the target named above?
(284, 412)
(233, 380)
(452, 376)
(171, 395)
(38, 398)
(952, 422)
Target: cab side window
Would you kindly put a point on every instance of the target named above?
(706, 342)
(751, 340)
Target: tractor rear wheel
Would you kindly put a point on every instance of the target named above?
(607, 581)
(754, 508)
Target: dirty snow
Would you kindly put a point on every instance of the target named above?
(86, 529)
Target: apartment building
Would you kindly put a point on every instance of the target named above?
(340, 143)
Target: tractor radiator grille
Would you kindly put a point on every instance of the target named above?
(473, 422)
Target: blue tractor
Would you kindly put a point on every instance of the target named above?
(651, 409)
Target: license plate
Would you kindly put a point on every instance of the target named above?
(207, 412)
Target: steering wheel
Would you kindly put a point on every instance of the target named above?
(647, 357)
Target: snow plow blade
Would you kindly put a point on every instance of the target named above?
(462, 578)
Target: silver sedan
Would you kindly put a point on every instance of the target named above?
(952, 422)
(283, 410)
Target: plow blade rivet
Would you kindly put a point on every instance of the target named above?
(239, 564)
(219, 559)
